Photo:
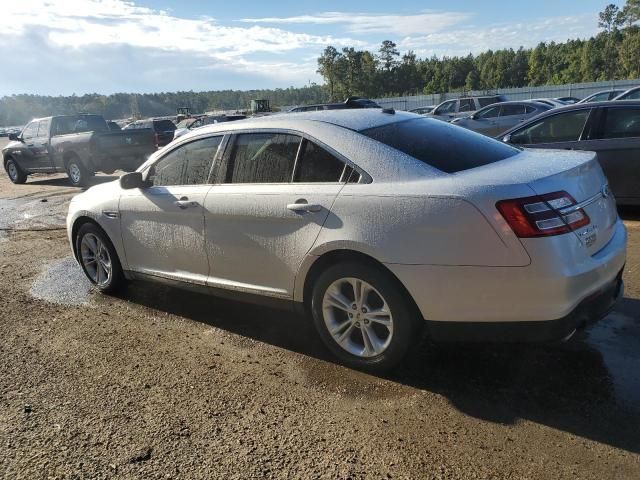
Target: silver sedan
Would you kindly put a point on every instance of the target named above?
(382, 226)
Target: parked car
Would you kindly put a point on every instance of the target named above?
(631, 94)
(602, 96)
(612, 129)
(422, 110)
(498, 118)
(188, 124)
(451, 109)
(77, 144)
(162, 129)
(378, 224)
(567, 100)
(351, 102)
(4, 132)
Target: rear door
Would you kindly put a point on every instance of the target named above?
(616, 139)
(511, 115)
(163, 225)
(274, 196)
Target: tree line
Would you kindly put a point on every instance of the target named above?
(613, 54)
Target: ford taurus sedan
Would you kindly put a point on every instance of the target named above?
(382, 226)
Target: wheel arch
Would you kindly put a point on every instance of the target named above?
(342, 255)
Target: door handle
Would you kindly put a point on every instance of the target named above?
(184, 203)
(301, 206)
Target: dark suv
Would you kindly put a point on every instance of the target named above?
(464, 106)
(163, 129)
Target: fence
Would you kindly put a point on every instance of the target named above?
(579, 90)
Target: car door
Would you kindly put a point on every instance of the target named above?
(511, 115)
(485, 121)
(163, 225)
(40, 146)
(560, 130)
(616, 139)
(274, 196)
(25, 154)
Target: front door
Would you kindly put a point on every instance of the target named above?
(163, 225)
(266, 215)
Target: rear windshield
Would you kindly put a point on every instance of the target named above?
(163, 125)
(440, 144)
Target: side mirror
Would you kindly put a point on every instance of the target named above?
(132, 180)
(506, 139)
(14, 136)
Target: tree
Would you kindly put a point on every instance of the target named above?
(610, 18)
(327, 64)
(388, 55)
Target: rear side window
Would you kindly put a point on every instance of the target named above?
(263, 158)
(621, 123)
(565, 127)
(189, 164)
(441, 145)
(317, 165)
(633, 96)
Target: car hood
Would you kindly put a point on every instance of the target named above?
(104, 191)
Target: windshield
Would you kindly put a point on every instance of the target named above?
(441, 145)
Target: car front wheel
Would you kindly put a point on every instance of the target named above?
(15, 174)
(364, 317)
(99, 259)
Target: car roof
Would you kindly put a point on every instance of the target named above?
(356, 119)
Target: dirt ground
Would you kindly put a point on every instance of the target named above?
(160, 383)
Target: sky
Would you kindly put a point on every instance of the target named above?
(105, 46)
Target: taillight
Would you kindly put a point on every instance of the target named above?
(541, 215)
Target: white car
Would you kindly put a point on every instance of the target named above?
(379, 224)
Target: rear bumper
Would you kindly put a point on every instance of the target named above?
(590, 310)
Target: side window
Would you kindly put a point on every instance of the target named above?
(565, 127)
(43, 128)
(635, 95)
(263, 158)
(317, 165)
(492, 112)
(467, 105)
(189, 164)
(485, 101)
(447, 107)
(529, 109)
(30, 131)
(621, 123)
(512, 109)
(600, 97)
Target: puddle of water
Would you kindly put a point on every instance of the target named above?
(62, 282)
(617, 338)
(33, 213)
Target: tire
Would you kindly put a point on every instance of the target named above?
(98, 259)
(77, 172)
(16, 175)
(396, 326)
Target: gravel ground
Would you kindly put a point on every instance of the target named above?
(160, 383)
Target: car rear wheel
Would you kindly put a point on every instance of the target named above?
(98, 259)
(364, 317)
(16, 175)
(78, 174)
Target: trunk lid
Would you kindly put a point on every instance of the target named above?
(586, 183)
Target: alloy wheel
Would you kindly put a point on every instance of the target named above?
(96, 259)
(74, 173)
(357, 317)
(13, 171)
